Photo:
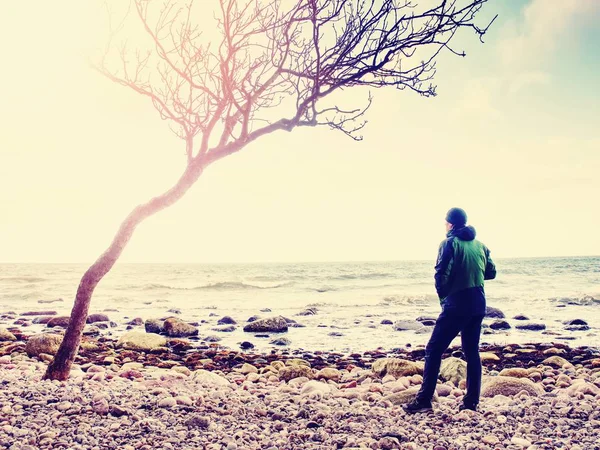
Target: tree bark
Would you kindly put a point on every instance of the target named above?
(60, 367)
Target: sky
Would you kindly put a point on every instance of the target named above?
(512, 137)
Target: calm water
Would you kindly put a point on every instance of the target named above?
(351, 298)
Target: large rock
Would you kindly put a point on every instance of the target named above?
(453, 370)
(500, 325)
(136, 340)
(531, 326)
(226, 320)
(397, 367)
(403, 325)
(488, 357)
(290, 372)
(270, 324)
(43, 343)
(60, 321)
(209, 378)
(509, 386)
(329, 373)
(6, 335)
(93, 318)
(154, 326)
(494, 313)
(557, 361)
(575, 322)
(178, 328)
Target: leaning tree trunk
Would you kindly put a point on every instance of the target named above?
(60, 367)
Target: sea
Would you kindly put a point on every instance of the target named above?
(349, 299)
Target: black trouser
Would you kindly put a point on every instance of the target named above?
(447, 327)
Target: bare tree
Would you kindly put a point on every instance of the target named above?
(276, 66)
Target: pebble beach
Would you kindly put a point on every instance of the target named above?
(149, 389)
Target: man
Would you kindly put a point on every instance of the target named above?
(462, 266)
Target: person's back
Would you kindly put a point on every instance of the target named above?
(463, 264)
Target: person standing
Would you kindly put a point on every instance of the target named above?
(463, 264)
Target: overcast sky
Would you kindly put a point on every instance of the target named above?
(513, 137)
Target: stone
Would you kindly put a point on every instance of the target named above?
(175, 327)
(554, 351)
(280, 341)
(39, 313)
(275, 324)
(531, 326)
(6, 335)
(43, 343)
(224, 328)
(557, 361)
(41, 319)
(168, 402)
(198, 422)
(514, 372)
(308, 312)
(226, 320)
(443, 390)
(206, 377)
(521, 317)
(404, 325)
(582, 387)
(290, 372)
(184, 400)
(490, 439)
(100, 406)
(494, 313)
(453, 370)
(488, 357)
(314, 386)
(245, 345)
(397, 367)
(575, 322)
(500, 325)
(509, 386)
(137, 340)
(59, 321)
(93, 318)
(248, 368)
(136, 321)
(386, 322)
(329, 373)
(154, 326)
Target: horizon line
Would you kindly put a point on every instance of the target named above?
(290, 262)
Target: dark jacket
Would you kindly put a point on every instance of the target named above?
(462, 266)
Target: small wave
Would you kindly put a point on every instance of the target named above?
(323, 289)
(220, 286)
(364, 276)
(24, 279)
